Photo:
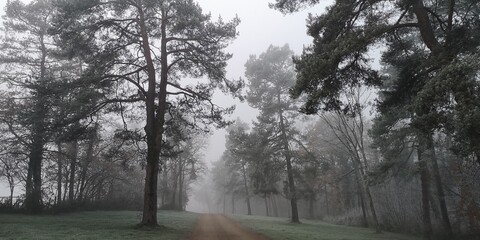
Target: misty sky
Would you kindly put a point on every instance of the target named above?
(260, 26)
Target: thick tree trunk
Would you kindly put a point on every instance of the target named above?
(33, 201)
(153, 156)
(33, 194)
(37, 182)
(154, 126)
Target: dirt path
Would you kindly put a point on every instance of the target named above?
(219, 227)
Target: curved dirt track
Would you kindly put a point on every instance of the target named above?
(219, 227)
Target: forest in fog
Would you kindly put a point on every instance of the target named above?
(109, 105)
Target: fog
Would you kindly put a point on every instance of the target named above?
(112, 106)
(260, 27)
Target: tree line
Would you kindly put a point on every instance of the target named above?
(393, 147)
(94, 92)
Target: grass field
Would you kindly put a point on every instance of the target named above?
(281, 229)
(95, 225)
(177, 225)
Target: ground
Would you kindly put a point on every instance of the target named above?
(114, 225)
(177, 225)
(219, 227)
(282, 229)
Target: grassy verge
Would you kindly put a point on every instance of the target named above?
(95, 225)
(282, 229)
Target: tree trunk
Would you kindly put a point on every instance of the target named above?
(12, 189)
(175, 186)
(224, 201)
(233, 204)
(291, 183)
(441, 194)
(369, 194)
(37, 182)
(364, 169)
(154, 126)
(65, 184)
(362, 197)
(326, 201)
(266, 205)
(88, 159)
(274, 206)
(311, 208)
(59, 173)
(33, 200)
(29, 184)
(73, 165)
(249, 209)
(165, 187)
(180, 184)
(362, 188)
(293, 197)
(425, 184)
(372, 208)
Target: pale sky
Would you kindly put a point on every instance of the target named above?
(260, 26)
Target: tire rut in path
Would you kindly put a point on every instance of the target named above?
(219, 227)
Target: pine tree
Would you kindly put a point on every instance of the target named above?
(270, 76)
(134, 41)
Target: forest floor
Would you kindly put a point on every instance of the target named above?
(219, 227)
